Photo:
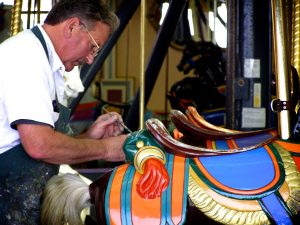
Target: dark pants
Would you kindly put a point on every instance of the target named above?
(22, 181)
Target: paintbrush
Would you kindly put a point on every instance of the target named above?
(120, 122)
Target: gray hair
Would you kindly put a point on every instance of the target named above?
(88, 11)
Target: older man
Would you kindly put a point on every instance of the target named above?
(33, 123)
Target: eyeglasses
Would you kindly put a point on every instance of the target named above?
(96, 48)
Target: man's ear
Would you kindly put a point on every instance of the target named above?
(71, 25)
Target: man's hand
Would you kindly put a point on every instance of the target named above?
(154, 180)
(106, 125)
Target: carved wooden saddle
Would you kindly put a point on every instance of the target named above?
(253, 186)
(254, 182)
(194, 125)
(193, 115)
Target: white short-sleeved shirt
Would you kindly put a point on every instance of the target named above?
(29, 83)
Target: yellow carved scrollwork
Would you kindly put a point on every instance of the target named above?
(234, 211)
(147, 152)
(292, 178)
(214, 207)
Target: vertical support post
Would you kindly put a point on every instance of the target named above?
(295, 36)
(142, 68)
(28, 13)
(249, 61)
(231, 66)
(160, 49)
(282, 64)
(295, 93)
(16, 17)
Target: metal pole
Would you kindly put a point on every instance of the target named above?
(142, 68)
(282, 65)
(160, 49)
(16, 17)
(231, 66)
(296, 37)
(296, 51)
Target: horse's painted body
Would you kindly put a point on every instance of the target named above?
(258, 184)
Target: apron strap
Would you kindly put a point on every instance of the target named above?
(64, 113)
(36, 31)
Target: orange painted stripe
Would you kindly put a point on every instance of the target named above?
(243, 192)
(209, 144)
(294, 147)
(144, 211)
(177, 188)
(274, 133)
(234, 143)
(230, 144)
(297, 161)
(115, 195)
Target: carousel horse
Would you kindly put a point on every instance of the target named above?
(205, 60)
(240, 178)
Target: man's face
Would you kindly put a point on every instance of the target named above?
(85, 44)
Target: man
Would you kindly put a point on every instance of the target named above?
(32, 120)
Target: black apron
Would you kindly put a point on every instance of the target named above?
(22, 179)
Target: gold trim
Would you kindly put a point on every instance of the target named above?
(284, 191)
(292, 178)
(236, 204)
(234, 211)
(147, 152)
(220, 211)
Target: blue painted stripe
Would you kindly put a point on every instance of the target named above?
(164, 209)
(276, 210)
(106, 204)
(170, 164)
(167, 216)
(126, 196)
(252, 140)
(221, 144)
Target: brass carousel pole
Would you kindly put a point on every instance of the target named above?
(295, 35)
(16, 17)
(142, 57)
(282, 67)
(296, 43)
